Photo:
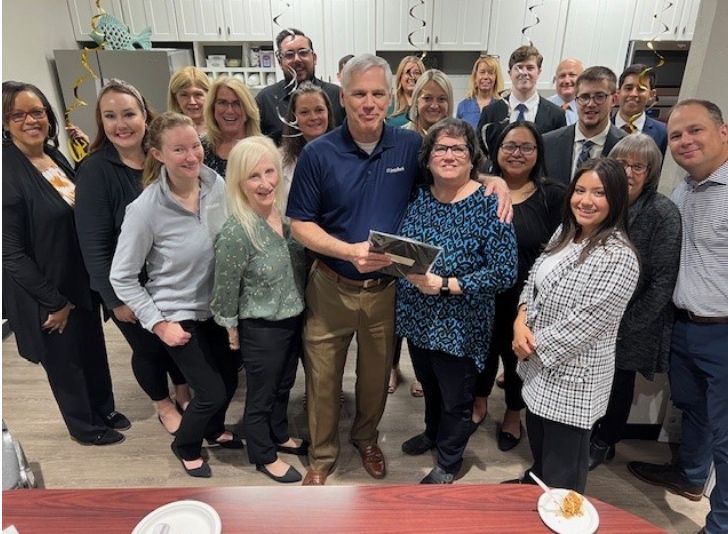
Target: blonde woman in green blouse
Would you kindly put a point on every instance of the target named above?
(258, 297)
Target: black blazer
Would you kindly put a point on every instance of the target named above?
(549, 117)
(42, 265)
(558, 148)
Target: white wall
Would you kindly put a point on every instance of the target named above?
(32, 29)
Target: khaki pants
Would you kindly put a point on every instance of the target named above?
(335, 312)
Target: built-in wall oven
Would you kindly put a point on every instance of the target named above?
(669, 74)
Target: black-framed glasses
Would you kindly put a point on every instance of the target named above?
(459, 151)
(598, 98)
(637, 168)
(290, 55)
(20, 116)
(224, 104)
(525, 148)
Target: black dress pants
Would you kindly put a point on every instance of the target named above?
(501, 344)
(272, 349)
(447, 382)
(150, 361)
(560, 452)
(610, 428)
(210, 368)
(78, 373)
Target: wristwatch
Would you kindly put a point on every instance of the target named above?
(445, 289)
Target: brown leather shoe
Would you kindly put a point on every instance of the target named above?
(373, 460)
(314, 478)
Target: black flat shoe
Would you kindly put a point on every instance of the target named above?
(203, 471)
(292, 475)
(507, 441)
(165, 428)
(235, 443)
(417, 445)
(301, 450)
(117, 421)
(106, 437)
(599, 453)
(475, 425)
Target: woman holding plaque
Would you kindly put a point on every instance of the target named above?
(447, 314)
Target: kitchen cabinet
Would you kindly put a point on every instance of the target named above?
(223, 20)
(81, 12)
(598, 32)
(507, 22)
(155, 14)
(460, 25)
(665, 20)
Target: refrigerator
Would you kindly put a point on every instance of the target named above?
(147, 70)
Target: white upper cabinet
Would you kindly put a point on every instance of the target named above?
(155, 14)
(223, 20)
(665, 20)
(448, 24)
(512, 24)
(247, 20)
(82, 11)
(598, 32)
(348, 29)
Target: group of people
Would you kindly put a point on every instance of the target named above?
(206, 242)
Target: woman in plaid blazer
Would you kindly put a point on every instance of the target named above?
(566, 328)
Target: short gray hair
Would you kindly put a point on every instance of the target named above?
(441, 79)
(364, 62)
(643, 148)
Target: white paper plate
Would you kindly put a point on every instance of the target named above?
(551, 514)
(183, 517)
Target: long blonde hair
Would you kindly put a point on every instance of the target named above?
(400, 98)
(244, 157)
(492, 63)
(162, 123)
(250, 108)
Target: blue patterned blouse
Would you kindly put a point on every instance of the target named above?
(479, 251)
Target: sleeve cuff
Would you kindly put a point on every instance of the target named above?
(226, 322)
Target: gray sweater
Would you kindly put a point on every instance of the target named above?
(176, 246)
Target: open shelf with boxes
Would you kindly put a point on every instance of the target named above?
(251, 62)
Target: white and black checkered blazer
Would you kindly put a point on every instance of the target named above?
(575, 317)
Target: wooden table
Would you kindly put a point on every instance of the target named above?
(416, 509)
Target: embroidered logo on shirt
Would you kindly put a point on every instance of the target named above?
(393, 170)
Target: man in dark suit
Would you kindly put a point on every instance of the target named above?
(593, 134)
(636, 90)
(523, 103)
(296, 58)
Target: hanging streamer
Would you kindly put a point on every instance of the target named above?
(422, 24)
(642, 79)
(531, 10)
(290, 86)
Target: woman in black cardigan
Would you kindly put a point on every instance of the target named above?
(108, 180)
(46, 293)
(643, 342)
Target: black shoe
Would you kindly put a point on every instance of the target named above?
(599, 453)
(235, 443)
(668, 476)
(106, 437)
(301, 450)
(474, 425)
(507, 441)
(438, 476)
(292, 475)
(203, 471)
(177, 405)
(117, 421)
(417, 445)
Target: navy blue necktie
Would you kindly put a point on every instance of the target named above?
(522, 109)
(585, 153)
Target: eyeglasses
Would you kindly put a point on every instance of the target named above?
(440, 100)
(526, 148)
(224, 104)
(637, 168)
(599, 98)
(459, 151)
(413, 73)
(20, 116)
(290, 55)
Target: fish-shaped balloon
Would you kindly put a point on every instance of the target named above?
(113, 34)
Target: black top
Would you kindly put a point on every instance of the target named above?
(104, 187)
(42, 265)
(274, 99)
(212, 160)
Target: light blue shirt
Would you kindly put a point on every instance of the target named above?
(571, 115)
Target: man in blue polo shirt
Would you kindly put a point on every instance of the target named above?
(354, 179)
